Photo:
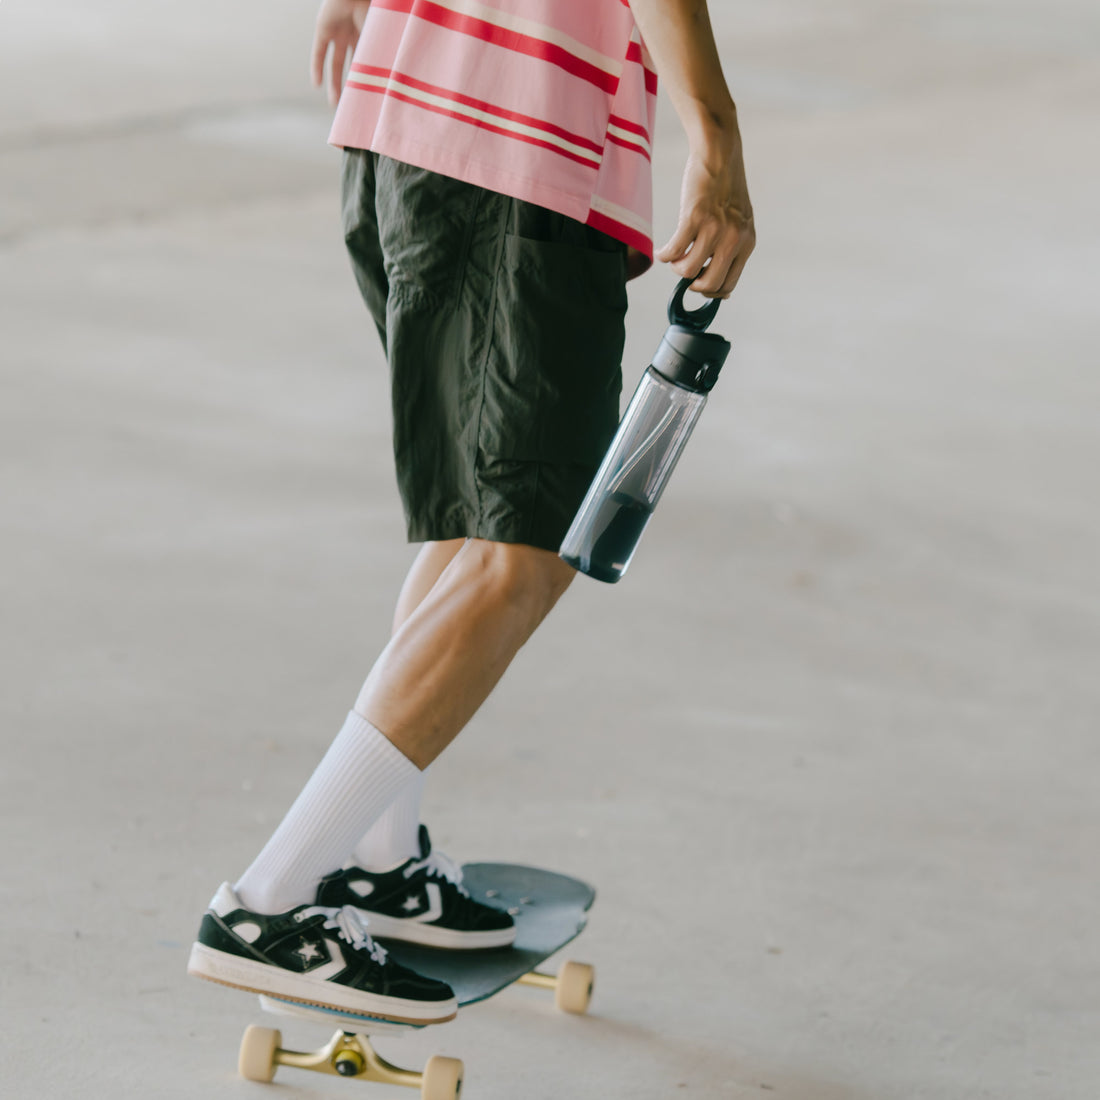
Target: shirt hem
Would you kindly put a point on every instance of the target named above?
(433, 158)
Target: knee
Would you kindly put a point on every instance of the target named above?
(522, 577)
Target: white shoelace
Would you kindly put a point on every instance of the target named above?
(441, 866)
(349, 926)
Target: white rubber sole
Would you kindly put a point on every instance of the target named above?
(219, 966)
(430, 935)
(364, 1025)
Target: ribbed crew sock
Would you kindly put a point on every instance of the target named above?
(355, 781)
(395, 836)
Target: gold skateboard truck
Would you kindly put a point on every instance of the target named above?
(349, 1052)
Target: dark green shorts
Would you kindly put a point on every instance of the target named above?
(503, 328)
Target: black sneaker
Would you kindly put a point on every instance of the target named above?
(315, 955)
(421, 901)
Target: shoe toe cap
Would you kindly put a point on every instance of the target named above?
(416, 987)
(492, 920)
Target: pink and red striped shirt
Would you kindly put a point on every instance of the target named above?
(550, 101)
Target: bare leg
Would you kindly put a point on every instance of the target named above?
(447, 656)
(425, 570)
(438, 668)
(395, 836)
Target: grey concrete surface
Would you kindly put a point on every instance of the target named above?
(829, 752)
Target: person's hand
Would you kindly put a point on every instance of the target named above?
(715, 234)
(338, 25)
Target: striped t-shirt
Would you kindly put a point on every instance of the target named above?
(550, 101)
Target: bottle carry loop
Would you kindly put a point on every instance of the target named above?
(698, 320)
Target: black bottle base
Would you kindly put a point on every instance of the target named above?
(596, 570)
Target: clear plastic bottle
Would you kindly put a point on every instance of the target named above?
(651, 437)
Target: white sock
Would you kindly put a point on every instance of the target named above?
(356, 780)
(395, 836)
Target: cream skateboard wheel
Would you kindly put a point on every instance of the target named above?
(256, 1061)
(573, 991)
(442, 1079)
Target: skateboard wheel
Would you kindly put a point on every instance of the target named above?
(574, 989)
(256, 1061)
(442, 1079)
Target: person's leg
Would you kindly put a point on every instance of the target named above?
(437, 670)
(356, 779)
(425, 570)
(448, 656)
(396, 881)
(505, 380)
(394, 837)
(243, 940)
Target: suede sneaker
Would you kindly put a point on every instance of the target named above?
(420, 901)
(317, 955)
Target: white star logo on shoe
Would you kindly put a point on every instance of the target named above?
(411, 903)
(308, 951)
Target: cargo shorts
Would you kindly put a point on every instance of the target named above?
(503, 325)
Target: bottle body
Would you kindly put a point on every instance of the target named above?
(650, 439)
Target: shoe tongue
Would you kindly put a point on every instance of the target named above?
(425, 842)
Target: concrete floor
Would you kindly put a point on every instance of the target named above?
(829, 752)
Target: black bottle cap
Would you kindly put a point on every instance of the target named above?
(689, 356)
(691, 359)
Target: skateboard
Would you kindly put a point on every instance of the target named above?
(550, 911)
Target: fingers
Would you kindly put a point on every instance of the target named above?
(721, 274)
(317, 58)
(713, 256)
(724, 262)
(336, 71)
(748, 243)
(702, 251)
(341, 35)
(679, 243)
(708, 280)
(734, 273)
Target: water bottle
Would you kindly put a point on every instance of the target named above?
(650, 439)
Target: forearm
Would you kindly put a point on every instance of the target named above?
(680, 39)
(714, 234)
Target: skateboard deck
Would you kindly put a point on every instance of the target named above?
(550, 910)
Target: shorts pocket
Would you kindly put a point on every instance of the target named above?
(425, 226)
